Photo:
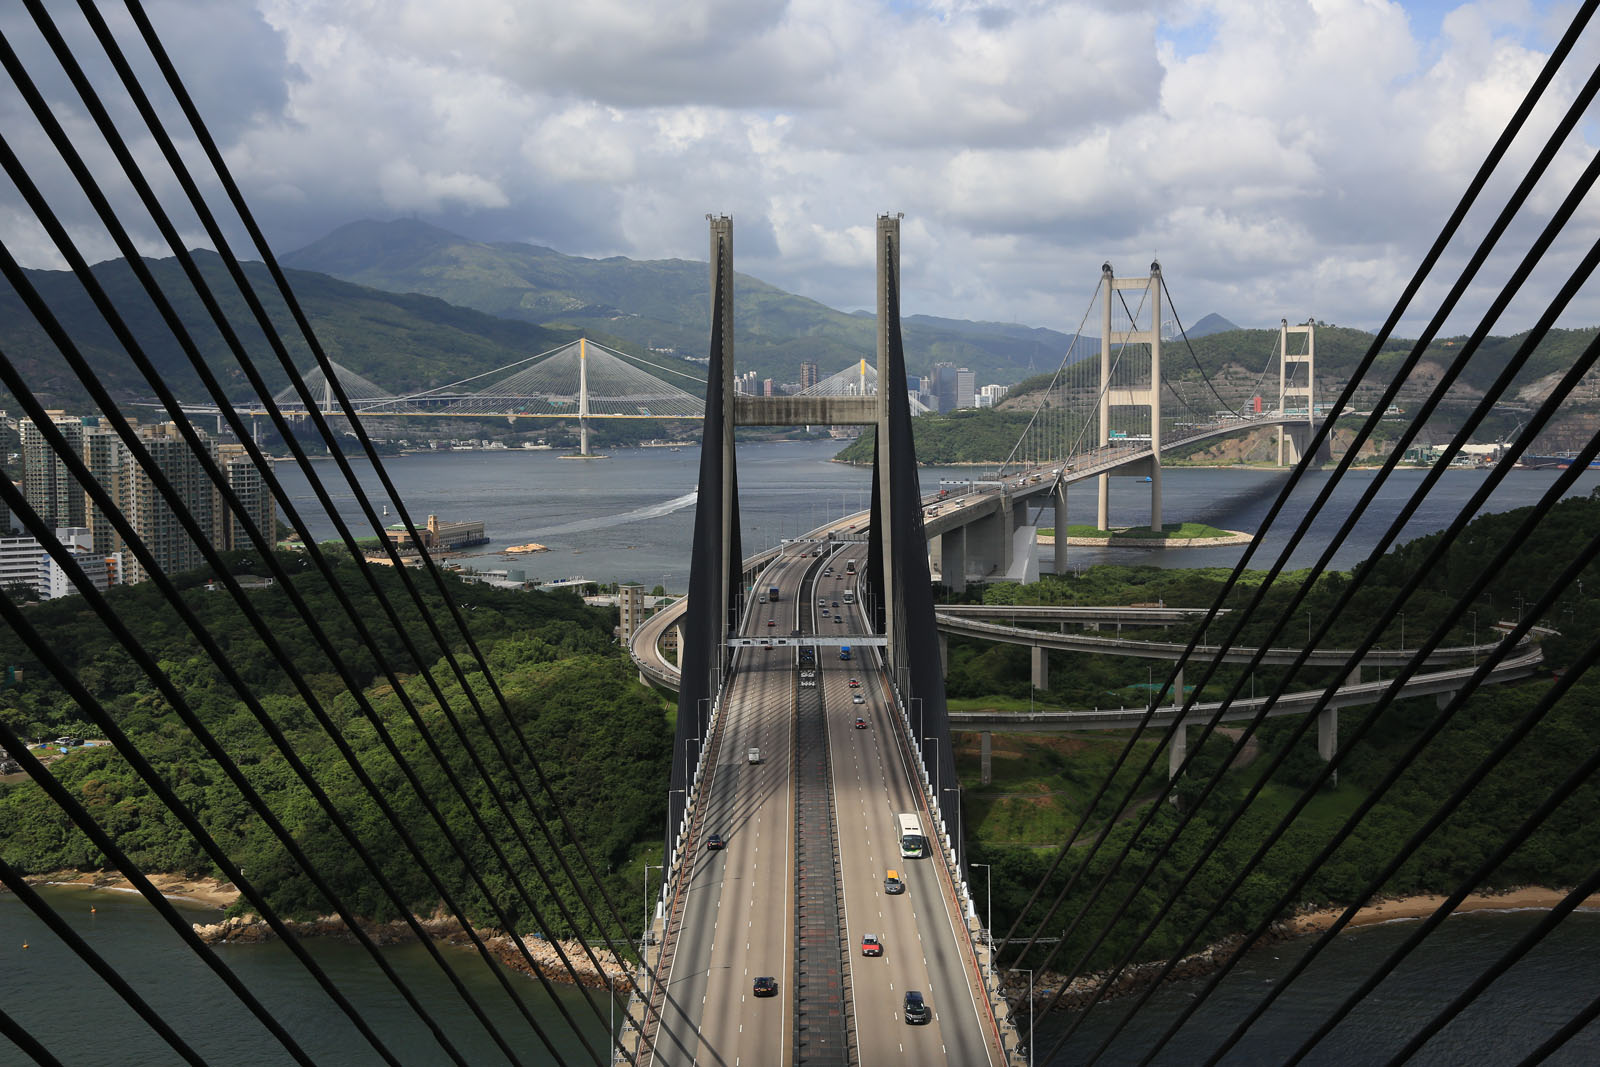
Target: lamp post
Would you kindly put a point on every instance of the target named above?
(1474, 615)
(647, 868)
(1402, 631)
(934, 741)
(988, 923)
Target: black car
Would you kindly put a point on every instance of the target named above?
(715, 843)
(915, 1010)
(768, 987)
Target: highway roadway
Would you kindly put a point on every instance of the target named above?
(921, 929)
(738, 908)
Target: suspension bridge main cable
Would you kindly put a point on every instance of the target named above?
(1066, 361)
(1192, 355)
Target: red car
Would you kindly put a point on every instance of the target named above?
(870, 945)
(861, 724)
(855, 683)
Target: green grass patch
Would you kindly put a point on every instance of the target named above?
(1144, 533)
(1042, 784)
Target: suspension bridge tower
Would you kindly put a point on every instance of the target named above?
(1131, 390)
(1296, 391)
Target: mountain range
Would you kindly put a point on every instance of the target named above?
(661, 304)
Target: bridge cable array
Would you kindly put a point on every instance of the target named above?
(19, 281)
(1386, 619)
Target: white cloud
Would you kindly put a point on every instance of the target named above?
(1280, 156)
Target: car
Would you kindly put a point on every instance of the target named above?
(762, 599)
(822, 601)
(855, 683)
(857, 698)
(916, 1009)
(772, 622)
(835, 603)
(715, 843)
(861, 724)
(766, 986)
(827, 571)
(892, 883)
(870, 945)
(824, 613)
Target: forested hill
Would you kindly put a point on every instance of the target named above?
(602, 739)
(403, 342)
(662, 304)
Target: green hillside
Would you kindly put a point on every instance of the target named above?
(403, 342)
(662, 304)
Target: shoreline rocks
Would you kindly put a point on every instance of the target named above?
(252, 929)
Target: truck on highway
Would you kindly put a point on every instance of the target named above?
(772, 594)
(912, 843)
(844, 651)
(849, 566)
(849, 596)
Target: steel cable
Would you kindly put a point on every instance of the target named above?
(156, 382)
(16, 883)
(1320, 433)
(198, 202)
(208, 145)
(1483, 409)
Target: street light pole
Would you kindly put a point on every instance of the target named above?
(988, 923)
(934, 741)
(647, 868)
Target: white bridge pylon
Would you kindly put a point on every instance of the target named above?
(858, 379)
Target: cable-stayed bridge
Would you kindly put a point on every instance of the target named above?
(809, 805)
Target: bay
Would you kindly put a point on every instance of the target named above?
(49, 991)
(631, 517)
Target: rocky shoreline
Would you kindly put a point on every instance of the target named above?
(1081, 991)
(251, 929)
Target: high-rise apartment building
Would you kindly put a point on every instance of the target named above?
(49, 484)
(148, 512)
(255, 498)
(809, 375)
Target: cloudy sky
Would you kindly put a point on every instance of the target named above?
(1280, 157)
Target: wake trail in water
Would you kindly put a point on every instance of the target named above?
(649, 511)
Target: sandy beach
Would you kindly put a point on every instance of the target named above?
(1528, 898)
(205, 891)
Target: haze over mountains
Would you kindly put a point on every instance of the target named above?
(664, 304)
